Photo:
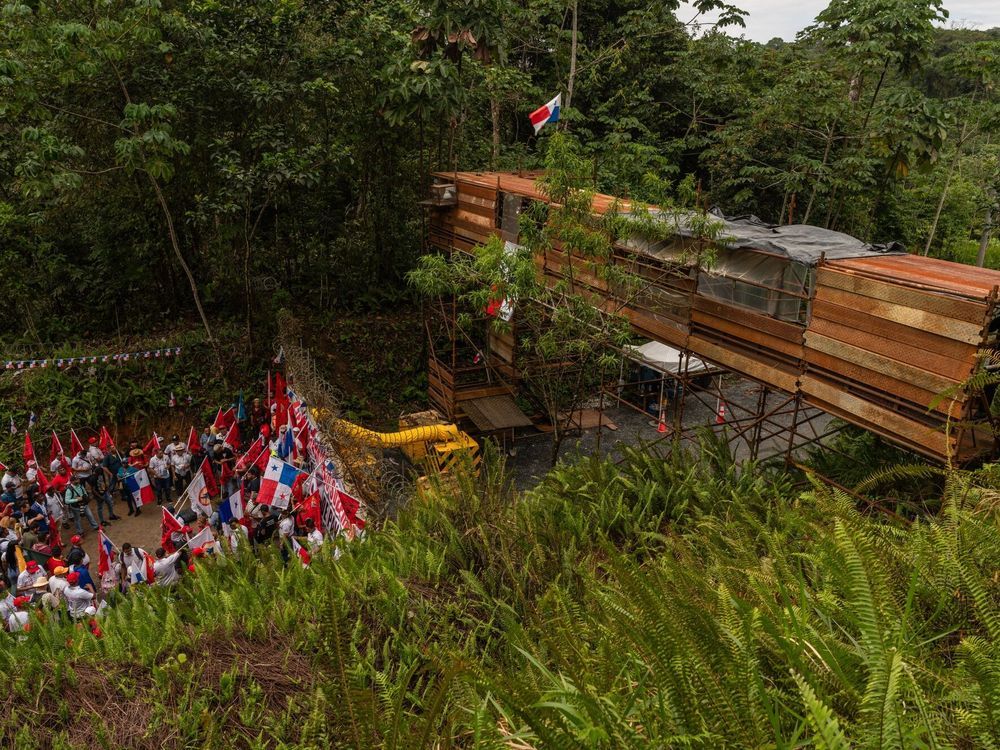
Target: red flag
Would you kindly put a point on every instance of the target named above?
(232, 438)
(193, 445)
(105, 552)
(247, 460)
(106, 442)
(74, 442)
(350, 506)
(224, 419)
(225, 474)
(56, 447)
(42, 480)
(150, 573)
(3, 466)
(261, 461)
(210, 484)
(152, 446)
(311, 509)
(29, 449)
(169, 523)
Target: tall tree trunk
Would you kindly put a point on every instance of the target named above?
(495, 117)
(826, 157)
(984, 238)
(944, 190)
(175, 244)
(572, 56)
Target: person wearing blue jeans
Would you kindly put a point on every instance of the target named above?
(78, 503)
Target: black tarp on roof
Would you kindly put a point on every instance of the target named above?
(799, 242)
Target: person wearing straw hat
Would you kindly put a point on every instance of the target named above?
(58, 583)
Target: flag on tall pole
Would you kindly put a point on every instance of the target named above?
(199, 485)
(138, 484)
(232, 438)
(74, 442)
(55, 448)
(169, 523)
(105, 551)
(29, 449)
(106, 443)
(152, 446)
(224, 419)
(193, 445)
(247, 460)
(548, 112)
(241, 409)
(276, 484)
(206, 471)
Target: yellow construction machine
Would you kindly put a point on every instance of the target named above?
(434, 447)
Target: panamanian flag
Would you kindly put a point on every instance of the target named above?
(138, 485)
(276, 484)
(546, 113)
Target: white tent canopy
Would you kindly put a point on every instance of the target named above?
(666, 359)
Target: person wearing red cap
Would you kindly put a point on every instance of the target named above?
(18, 619)
(31, 574)
(78, 599)
(77, 555)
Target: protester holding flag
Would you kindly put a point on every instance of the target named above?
(165, 567)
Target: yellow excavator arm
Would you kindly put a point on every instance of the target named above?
(434, 433)
(437, 447)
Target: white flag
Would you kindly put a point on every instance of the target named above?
(193, 492)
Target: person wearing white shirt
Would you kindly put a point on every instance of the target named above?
(165, 568)
(58, 583)
(53, 504)
(159, 468)
(180, 462)
(78, 599)
(29, 576)
(94, 454)
(6, 602)
(81, 466)
(31, 477)
(11, 477)
(286, 527)
(18, 619)
(239, 537)
(134, 560)
(313, 536)
(175, 446)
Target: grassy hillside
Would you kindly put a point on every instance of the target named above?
(655, 603)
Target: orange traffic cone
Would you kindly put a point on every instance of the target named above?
(720, 412)
(662, 426)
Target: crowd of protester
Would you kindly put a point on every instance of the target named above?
(42, 573)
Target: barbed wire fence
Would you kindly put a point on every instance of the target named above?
(376, 482)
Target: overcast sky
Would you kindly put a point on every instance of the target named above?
(785, 18)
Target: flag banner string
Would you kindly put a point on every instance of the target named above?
(92, 359)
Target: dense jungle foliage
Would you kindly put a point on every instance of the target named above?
(648, 604)
(161, 156)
